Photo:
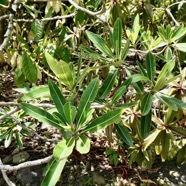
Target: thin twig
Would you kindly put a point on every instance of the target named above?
(9, 183)
(4, 17)
(7, 34)
(9, 113)
(46, 19)
(25, 164)
(172, 17)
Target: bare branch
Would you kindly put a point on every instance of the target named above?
(9, 113)
(4, 17)
(96, 14)
(7, 34)
(9, 183)
(45, 19)
(172, 17)
(25, 164)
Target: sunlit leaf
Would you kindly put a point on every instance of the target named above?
(103, 121)
(146, 104)
(64, 148)
(151, 66)
(83, 144)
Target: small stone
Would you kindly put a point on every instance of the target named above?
(7, 159)
(98, 179)
(174, 173)
(20, 157)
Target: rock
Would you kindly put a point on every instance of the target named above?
(98, 179)
(7, 159)
(30, 176)
(20, 157)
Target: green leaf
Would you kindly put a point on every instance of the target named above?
(29, 68)
(100, 44)
(124, 134)
(179, 103)
(70, 112)
(126, 105)
(117, 36)
(181, 46)
(146, 124)
(37, 29)
(146, 104)
(93, 54)
(142, 69)
(107, 85)
(83, 144)
(85, 101)
(125, 50)
(139, 77)
(167, 101)
(179, 32)
(151, 66)
(103, 121)
(40, 114)
(62, 70)
(58, 98)
(64, 148)
(54, 171)
(19, 140)
(36, 92)
(164, 74)
(150, 139)
(121, 90)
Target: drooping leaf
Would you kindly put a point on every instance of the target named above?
(85, 101)
(64, 148)
(146, 124)
(124, 134)
(151, 66)
(36, 92)
(146, 104)
(107, 86)
(40, 114)
(83, 144)
(117, 36)
(29, 68)
(37, 29)
(100, 44)
(103, 121)
(58, 98)
(121, 90)
(53, 172)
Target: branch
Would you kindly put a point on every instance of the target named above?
(172, 17)
(7, 34)
(9, 113)
(25, 164)
(45, 19)
(96, 14)
(4, 17)
(9, 183)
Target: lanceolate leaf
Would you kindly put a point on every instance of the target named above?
(107, 85)
(83, 144)
(56, 95)
(181, 47)
(85, 101)
(125, 50)
(151, 66)
(146, 104)
(29, 68)
(167, 102)
(36, 92)
(100, 44)
(139, 77)
(121, 90)
(146, 124)
(117, 36)
(124, 134)
(54, 171)
(70, 112)
(64, 148)
(103, 121)
(150, 139)
(40, 114)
